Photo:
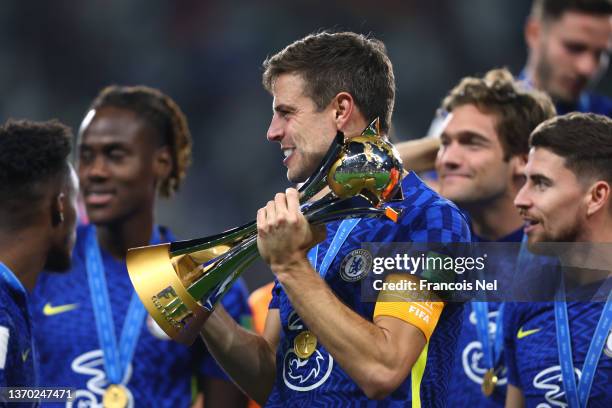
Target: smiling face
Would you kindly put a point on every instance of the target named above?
(470, 162)
(304, 132)
(116, 168)
(552, 200)
(570, 52)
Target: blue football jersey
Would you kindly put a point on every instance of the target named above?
(465, 386)
(533, 360)
(319, 380)
(18, 360)
(161, 370)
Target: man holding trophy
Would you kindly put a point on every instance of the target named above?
(322, 343)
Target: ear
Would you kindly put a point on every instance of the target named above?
(57, 209)
(597, 197)
(344, 105)
(533, 30)
(162, 163)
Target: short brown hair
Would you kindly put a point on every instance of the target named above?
(161, 113)
(331, 63)
(547, 10)
(518, 109)
(584, 140)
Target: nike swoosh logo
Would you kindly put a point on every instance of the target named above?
(525, 333)
(24, 355)
(49, 310)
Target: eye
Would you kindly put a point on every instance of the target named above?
(86, 156)
(117, 154)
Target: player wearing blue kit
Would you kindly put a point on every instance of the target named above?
(38, 189)
(559, 353)
(569, 45)
(323, 345)
(93, 331)
(480, 166)
(429, 219)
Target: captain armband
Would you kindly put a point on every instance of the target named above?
(401, 304)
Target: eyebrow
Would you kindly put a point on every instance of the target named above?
(467, 134)
(540, 177)
(283, 108)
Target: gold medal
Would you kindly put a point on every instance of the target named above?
(115, 396)
(489, 381)
(305, 344)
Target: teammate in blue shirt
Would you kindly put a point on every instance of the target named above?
(569, 44)
(38, 190)
(93, 332)
(559, 353)
(480, 166)
(323, 344)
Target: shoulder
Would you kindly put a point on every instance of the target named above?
(425, 211)
(596, 103)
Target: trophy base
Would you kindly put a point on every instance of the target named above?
(163, 294)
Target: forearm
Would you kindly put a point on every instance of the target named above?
(367, 352)
(419, 155)
(246, 357)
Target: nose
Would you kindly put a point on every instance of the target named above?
(275, 130)
(522, 201)
(95, 169)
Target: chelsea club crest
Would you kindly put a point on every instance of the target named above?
(356, 265)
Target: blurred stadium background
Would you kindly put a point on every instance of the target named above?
(57, 54)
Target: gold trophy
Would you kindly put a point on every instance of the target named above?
(180, 283)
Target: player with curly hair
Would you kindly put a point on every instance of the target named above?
(134, 144)
(38, 189)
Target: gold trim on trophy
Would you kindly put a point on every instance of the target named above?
(305, 344)
(115, 396)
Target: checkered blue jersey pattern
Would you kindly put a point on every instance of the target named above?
(319, 380)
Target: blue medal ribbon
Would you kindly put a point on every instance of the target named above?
(577, 396)
(116, 359)
(9, 277)
(345, 228)
(491, 354)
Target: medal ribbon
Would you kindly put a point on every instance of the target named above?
(11, 279)
(345, 228)
(577, 396)
(491, 355)
(116, 359)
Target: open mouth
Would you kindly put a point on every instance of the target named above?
(530, 224)
(287, 154)
(98, 198)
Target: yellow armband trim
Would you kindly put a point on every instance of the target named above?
(423, 315)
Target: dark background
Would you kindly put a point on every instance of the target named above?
(57, 54)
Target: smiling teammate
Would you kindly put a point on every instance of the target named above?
(94, 333)
(559, 353)
(322, 343)
(480, 167)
